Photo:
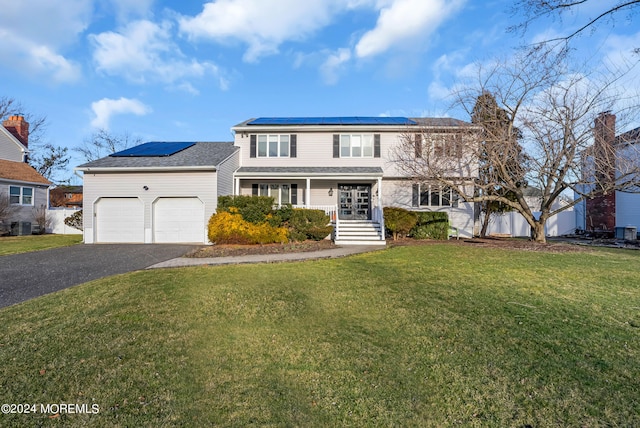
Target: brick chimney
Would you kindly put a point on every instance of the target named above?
(19, 128)
(601, 209)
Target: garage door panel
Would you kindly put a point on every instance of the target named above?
(119, 220)
(178, 220)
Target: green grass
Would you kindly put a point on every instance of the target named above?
(437, 335)
(25, 244)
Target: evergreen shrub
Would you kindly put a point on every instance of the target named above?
(398, 221)
(431, 225)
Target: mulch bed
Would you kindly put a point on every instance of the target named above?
(306, 246)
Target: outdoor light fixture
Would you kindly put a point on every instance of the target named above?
(330, 191)
(145, 187)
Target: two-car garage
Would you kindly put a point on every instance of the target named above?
(173, 220)
(158, 192)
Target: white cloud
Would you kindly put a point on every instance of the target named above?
(405, 22)
(106, 108)
(144, 51)
(34, 32)
(331, 68)
(262, 25)
(125, 9)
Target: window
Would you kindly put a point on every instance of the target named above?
(425, 195)
(281, 193)
(21, 195)
(356, 146)
(447, 145)
(273, 146)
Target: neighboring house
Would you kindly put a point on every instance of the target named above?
(22, 189)
(604, 213)
(342, 165)
(66, 196)
(156, 192)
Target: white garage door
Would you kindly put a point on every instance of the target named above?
(119, 220)
(178, 220)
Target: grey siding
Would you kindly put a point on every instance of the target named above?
(26, 212)
(226, 170)
(9, 150)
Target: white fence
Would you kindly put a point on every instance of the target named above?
(513, 224)
(57, 216)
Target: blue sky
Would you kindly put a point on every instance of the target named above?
(185, 70)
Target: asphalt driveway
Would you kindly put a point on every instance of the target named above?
(29, 275)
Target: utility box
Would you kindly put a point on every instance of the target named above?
(628, 233)
(20, 228)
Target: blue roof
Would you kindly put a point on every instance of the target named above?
(346, 120)
(153, 149)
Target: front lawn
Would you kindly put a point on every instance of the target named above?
(434, 335)
(25, 244)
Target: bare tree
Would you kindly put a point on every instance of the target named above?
(42, 219)
(549, 122)
(48, 159)
(604, 13)
(6, 211)
(103, 143)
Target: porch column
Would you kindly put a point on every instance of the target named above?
(380, 192)
(307, 199)
(236, 190)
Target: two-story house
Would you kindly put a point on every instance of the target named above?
(22, 189)
(344, 165)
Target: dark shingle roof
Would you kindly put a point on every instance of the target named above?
(198, 155)
(440, 121)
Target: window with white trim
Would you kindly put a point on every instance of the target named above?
(21, 195)
(356, 145)
(435, 196)
(281, 193)
(273, 146)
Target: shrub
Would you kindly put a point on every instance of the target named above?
(399, 221)
(309, 224)
(431, 225)
(229, 227)
(254, 209)
(74, 220)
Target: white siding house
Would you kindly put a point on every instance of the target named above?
(346, 164)
(341, 165)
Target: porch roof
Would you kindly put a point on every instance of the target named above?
(310, 171)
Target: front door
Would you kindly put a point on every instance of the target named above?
(354, 201)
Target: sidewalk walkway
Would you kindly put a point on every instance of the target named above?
(269, 258)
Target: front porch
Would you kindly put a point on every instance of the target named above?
(351, 197)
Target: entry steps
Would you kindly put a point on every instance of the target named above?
(359, 232)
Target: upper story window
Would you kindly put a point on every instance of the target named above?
(356, 145)
(273, 146)
(21, 195)
(441, 145)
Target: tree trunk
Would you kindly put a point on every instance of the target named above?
(537, 232)
(485, 220)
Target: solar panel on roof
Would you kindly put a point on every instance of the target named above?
(154, 149)
(346, 120)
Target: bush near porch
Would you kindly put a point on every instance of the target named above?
(254, 220)
(431, 225)
(400, 222)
